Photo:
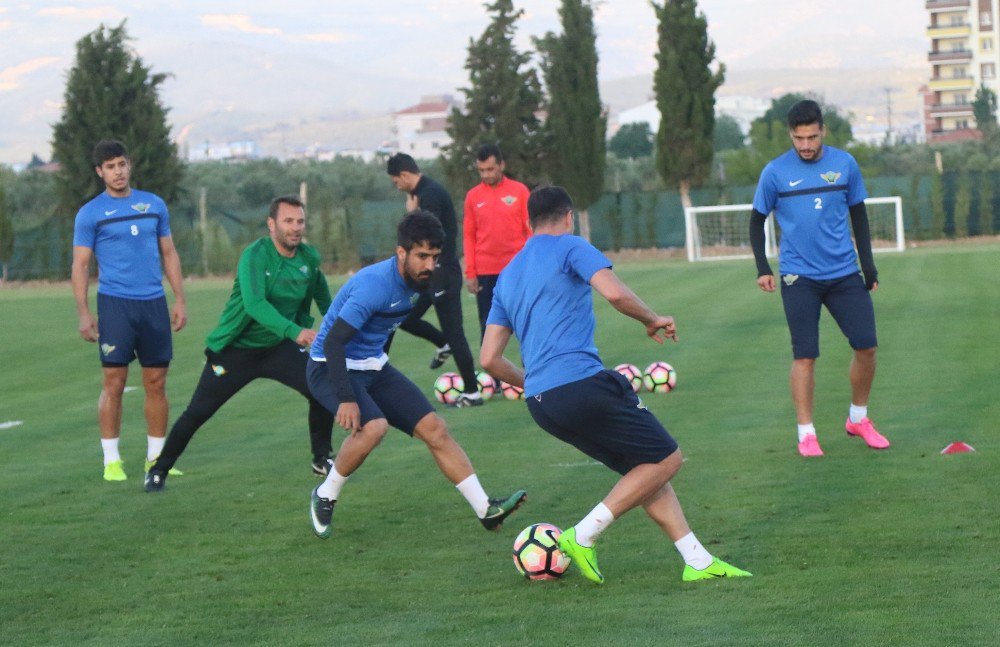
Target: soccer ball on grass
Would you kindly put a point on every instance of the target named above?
(537, 555)
(659, 377)
(632, 374)
(448, 387)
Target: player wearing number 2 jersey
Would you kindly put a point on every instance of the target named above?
(813, 191)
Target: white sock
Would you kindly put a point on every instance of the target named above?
(475, 495)
(858, 413)
(110, 447)
(154, 446)
(330, 489)
(693, 552)
(806, 430)
(591, 526)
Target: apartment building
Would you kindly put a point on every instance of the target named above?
(964, 55)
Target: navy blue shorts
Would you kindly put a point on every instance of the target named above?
(602, 417)
(380, 394)
(130, 328)
(847, 300)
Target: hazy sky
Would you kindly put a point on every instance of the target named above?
(384, 54)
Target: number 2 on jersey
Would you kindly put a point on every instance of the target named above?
(819, 203)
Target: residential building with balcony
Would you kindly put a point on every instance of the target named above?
(421, 129)
(964, 55)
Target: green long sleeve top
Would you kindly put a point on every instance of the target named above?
(272, 297)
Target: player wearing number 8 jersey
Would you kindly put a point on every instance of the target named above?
(813, 191)
(128, 231)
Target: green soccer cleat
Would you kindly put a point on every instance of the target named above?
(500, 509)
(584, 557)
(717, 568)
(173, 470)
(321, 513)
(115, 471)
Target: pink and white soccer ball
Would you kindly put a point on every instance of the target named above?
(537, 555)
(511, 392)
(487, 385)
(632, 374)
(448, 387)
(659, 377)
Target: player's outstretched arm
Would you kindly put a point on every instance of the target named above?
(80, 278)
(491, 356)
(765, 277)
(172, 270)
(624, 300)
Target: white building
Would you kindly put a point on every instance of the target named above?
(208, 151)
(420, 130)
(965, 41)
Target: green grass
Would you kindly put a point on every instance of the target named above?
(858, 548)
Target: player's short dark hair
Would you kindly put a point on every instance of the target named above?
(107, 149)
(292, 200)
(400, 162)
(548, 203)
(419, 227)
(487, 151)
(805, 113)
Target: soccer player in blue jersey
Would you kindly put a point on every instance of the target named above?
(128, 231)
(349, 373)
(544, 297)
(814, 190)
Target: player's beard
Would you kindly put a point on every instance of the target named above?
(419, 283)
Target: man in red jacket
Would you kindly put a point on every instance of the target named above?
(495, 227)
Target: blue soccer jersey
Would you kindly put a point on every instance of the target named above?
(124, 234)
(374, 302)
(810, 201)
(544, 296)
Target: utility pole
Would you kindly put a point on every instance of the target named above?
(888, 115)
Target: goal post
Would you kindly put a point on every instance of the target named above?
(722, 232)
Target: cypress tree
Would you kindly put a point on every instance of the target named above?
(576, 124)
(112, 94)
(685, 86)
(501, 104)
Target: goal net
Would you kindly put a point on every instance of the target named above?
(722, 232)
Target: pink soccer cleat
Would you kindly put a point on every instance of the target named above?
(810, 446)
(867, 431)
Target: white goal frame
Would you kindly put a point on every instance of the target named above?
(693, 236)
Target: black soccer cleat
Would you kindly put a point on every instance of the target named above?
(322, 466)
(321, 513)
(155, 481)
(469, 400)
(500, 509)
(440, 355)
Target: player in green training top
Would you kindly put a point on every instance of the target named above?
(263, 332)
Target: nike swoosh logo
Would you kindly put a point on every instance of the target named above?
(795, 183)
(480, 205)
(437, 294)
(109, 213)
(393, 305)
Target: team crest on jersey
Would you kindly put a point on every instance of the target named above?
(790, 278)
(304, 269)
(107, 349)
(831, 177)
(219, 370)
(508, 200)
(413, 299)
(141, 207)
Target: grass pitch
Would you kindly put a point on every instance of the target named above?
(858, 548)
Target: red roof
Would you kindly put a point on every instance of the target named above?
(436, 106)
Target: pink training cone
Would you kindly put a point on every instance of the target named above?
(958, 448)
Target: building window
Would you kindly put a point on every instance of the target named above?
(986, 44)
(988, 71)
(960, 99)
(985, 19)
(961, 124)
